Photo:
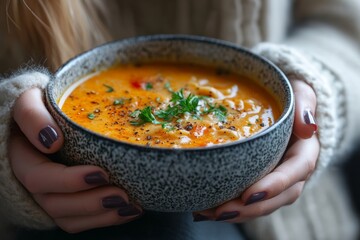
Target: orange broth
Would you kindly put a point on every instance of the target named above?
(224, 107)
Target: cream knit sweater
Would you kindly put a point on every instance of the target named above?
(320, 46)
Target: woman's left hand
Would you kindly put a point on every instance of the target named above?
(285, 183)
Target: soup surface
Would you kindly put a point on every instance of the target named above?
(170, 105)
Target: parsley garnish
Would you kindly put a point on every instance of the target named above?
(144, 116)
(148, 86)
(179, 106)
(219, 112)
(121, 101)
(168, 87)
(91, 116)
(109, 89)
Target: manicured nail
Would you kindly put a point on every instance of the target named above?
(129, 210)
(114, 202)
(199, 217)
(96, 178)
(227, 216)
(309, 119)
(47, 136)
(255, 198)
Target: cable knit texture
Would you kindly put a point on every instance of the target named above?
(299, 67)
(324, 210)
(16, 203)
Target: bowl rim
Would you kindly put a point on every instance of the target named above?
(288, 108)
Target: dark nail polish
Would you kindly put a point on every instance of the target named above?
(199, 217)
(255, 198)
(227, 216)
(129, 210)
(47, 136)
(309, 119)
(96, 178)
(114, 202)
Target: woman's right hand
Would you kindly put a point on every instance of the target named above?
(77, 198)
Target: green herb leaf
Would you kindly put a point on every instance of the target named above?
(148, 86)
(181, 105)
(144, 116)
(219, 112)
(121, 101)
(167, 126)
(91, 116)
(135, 113)
(109, 89)
(168, 87)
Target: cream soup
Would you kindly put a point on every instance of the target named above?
(170, 105)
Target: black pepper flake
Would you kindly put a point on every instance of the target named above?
(157, 141)
(262, 124)
(148, 137)
(189, 127)
(221, 127)
(233, 128)
(90, 92)
(136, 133)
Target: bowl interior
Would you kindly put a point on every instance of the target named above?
(177, 49)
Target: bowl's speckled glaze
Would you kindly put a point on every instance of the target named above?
(176, 180)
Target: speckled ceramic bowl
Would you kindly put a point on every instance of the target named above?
(176, 180)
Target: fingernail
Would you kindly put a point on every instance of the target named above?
(255, 198)
(309, 119)
(47, 136)
(114, 202)
(129, 210)
(199, 217)
(227, 216)
(96, 178)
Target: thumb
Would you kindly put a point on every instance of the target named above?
(305, 105)
(36, 122)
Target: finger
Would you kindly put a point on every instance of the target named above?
(79, 224)
(39, 175)
(305, 105)
(236, 211)
(299, 162)
(36, 122)
(205, 215)
(86, 203)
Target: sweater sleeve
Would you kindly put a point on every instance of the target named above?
(327, 87)
(16, 205)
(322, 50)
(330, 32)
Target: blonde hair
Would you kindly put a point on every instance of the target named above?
(57, 29)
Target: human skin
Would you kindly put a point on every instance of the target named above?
(285, 183)
(77, 204)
